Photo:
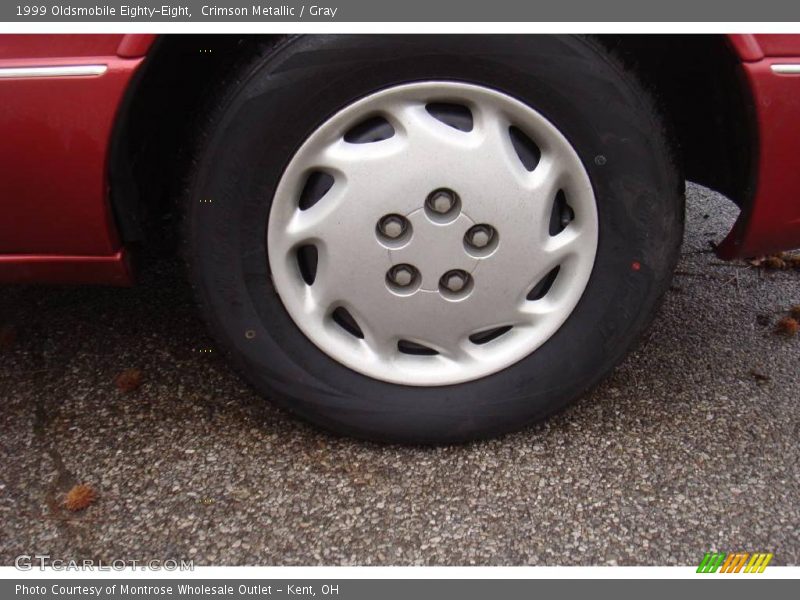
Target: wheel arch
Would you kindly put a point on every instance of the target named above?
(155, 126)
(704, 94)
(697, 80)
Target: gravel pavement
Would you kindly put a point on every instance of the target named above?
(691, 445)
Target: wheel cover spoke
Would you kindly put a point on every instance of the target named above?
(436, 182)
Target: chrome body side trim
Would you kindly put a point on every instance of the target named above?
(786, 69)
(52, 71)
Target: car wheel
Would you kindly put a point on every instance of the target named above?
(431, 238)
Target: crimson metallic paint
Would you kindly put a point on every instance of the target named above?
(771, 221)
(55, 221)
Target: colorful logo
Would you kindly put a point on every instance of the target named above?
(734, 562)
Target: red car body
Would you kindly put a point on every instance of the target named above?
(56, 222)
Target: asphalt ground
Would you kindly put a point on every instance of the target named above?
(691, 445)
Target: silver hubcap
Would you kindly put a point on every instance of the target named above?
(432, 233)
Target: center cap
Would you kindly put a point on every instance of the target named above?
(435, 248)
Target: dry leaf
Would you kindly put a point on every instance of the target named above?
(774, 262)
(129, 380)
(778, 261)
(79, 497)
(787, 326)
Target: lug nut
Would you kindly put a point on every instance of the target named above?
(455, 281)
(480, 236)
(392, 226)
(402, 275)
(442, 201)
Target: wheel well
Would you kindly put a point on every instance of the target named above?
(702, 91)
(696, 79)
(150, 149)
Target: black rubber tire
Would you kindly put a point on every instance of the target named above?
(280, 95)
